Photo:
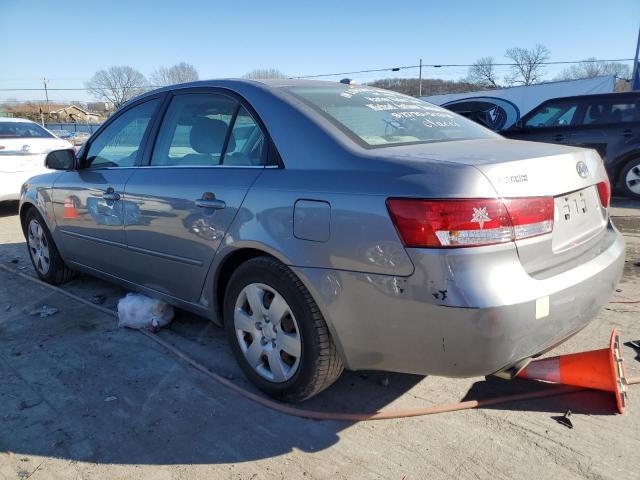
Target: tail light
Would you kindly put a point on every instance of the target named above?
(470, 222)
(604, 190)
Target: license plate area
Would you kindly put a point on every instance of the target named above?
(578, 217)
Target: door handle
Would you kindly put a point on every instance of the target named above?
(209, 200)
(559, 138)
(627, 133)
(110, 195)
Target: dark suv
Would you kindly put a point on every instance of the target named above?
(610, 123)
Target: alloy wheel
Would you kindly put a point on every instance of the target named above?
(633, 179)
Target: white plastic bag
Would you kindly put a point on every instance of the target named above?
(139, 311)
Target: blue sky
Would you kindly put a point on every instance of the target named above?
(67, 41)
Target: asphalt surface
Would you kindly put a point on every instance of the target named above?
(80, 398)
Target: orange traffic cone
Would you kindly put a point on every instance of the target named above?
(599, 369)
(70, 210)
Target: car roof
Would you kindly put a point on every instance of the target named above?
(269, 84)
(15, 120)
(621, 95)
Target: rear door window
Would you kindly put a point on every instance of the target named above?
(608, 111)
(195, 130)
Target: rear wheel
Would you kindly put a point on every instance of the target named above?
(43, 252)
(630, 178)
(277, 332)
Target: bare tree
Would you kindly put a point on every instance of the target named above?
(483, 72)
(264, 73)
(117, 84)
(594, 68)
(528, 64)
(180, 73)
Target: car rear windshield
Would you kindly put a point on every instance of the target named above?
(22, 130)
(376, 118)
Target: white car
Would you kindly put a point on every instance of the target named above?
(23, 147)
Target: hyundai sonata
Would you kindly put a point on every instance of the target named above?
(332, 226)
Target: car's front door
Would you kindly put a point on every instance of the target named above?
(207, 153)
(551, 122)
(89, 203)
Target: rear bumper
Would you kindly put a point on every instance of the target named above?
(21, 169)
(462, 313)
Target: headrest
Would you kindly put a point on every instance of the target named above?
(208, 134)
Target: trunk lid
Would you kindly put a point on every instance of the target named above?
(528, 169)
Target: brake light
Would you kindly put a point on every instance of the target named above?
(470, 222)
(604, 190)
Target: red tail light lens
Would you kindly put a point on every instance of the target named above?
(604, 190)
(470, 222)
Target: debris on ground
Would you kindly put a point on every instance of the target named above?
(14, 260)
(110, 399)
(45, 311)
(7, 308)
(98, 299)
(139, 311)
(564, 419)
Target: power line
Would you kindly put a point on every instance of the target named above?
(356, 72)
(447, 65)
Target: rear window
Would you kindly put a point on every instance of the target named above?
(376, 118)
(22, 130)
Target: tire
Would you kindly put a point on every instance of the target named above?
(282, 344)
(630, 178)
(43, 252)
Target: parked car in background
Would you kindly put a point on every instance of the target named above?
(64, 134)
(608, 123)
(78, 138)
(328, 225)
(23, 147)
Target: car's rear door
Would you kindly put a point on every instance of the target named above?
(207, 153)
(611, 125)
(89, 203)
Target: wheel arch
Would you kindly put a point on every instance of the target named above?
(225, 268)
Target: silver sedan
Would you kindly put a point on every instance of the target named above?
(332, 226)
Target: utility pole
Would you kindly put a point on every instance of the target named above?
(420, 81)
(46, 94)
(635, 82)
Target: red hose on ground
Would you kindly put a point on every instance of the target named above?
(319, 415)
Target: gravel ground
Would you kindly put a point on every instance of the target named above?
(80, 398)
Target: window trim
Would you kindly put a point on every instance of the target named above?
(274, 160)
(143, 142)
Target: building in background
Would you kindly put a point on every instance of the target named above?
(74, 114)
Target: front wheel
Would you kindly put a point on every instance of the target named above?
(630, 178)
(277, 332)
(43, 252)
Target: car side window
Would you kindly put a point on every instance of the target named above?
(552, 115)
(119, 144)
(247, 144)
(195, 130)
(625, 112)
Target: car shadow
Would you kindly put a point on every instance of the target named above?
(75, 386)
(8, 208)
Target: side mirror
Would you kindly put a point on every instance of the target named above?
(519, 124)
(61, 159)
